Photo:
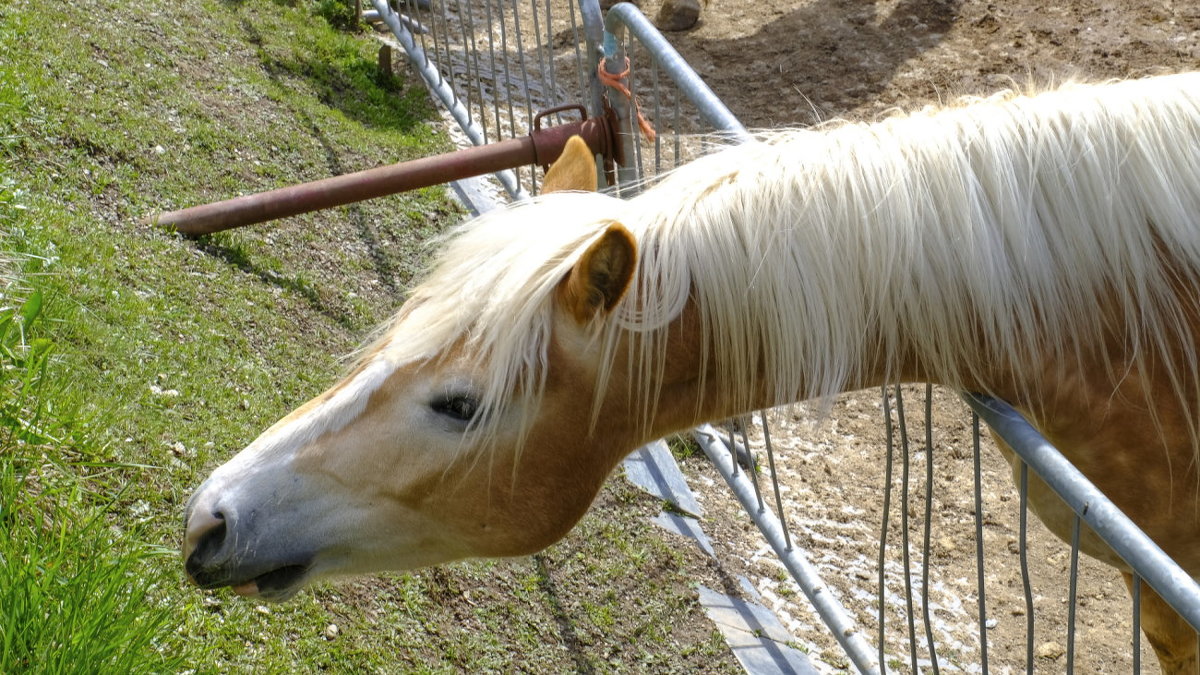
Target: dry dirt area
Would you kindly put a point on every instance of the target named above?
(789, 62)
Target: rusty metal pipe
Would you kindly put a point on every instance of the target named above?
(541, 147)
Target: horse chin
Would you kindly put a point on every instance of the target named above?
(275, 586)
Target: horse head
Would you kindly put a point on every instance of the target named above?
(428, 451)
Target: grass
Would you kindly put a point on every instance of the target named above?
(67, 612)
(135, 360)
(79, 595)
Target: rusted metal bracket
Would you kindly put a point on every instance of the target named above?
(541, 147)
(611, 152)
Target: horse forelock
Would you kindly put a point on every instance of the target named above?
(488, 296)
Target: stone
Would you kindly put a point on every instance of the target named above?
(678, 14)
(1050, 650)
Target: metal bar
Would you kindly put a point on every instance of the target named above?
(1073, 594)
(593, 33)
(905, 553)
(1174, 585)
(787, 536)
(885, 521)
(518, 39)
(372, 16)
(1135, 588)
(615, 61)
(983, 654)
(592, 20)
(581, 64)
(497, 83)
(655, 100)
(470, 60)
(542, 147)
(752, 466)
(830, 610)
(928, 529)
(545, 57)
(676, 116)
(428, 31)
(509, 82)
(733, 454)
(441, 50)
(1023, 548)
(635, 124)
(626, 16)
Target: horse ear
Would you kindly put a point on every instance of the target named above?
(602, 275)
(575, 169)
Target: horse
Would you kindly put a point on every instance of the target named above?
(1039, 247)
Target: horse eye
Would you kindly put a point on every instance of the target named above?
(459, 407)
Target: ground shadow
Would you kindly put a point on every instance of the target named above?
(235, 256)
(386, 268)
(817, 61)
(562, 618)
(342, 79)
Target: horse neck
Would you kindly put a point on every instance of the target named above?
(781, 305)
(817, 284)
(697, 384)
(946, 248)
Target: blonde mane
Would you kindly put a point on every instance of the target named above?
(965, 236)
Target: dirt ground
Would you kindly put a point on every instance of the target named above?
(791, 63)
(788, 62)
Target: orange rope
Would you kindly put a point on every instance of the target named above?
(616, 81)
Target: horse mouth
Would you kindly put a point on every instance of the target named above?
(279, 584)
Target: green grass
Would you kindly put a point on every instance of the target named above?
(78, 595)
(136, 360)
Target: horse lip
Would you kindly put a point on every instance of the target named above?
(278, 584)
(281, 583)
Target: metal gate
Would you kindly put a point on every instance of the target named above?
(495, 64)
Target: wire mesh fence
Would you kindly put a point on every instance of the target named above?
(919, 530)
(498, 65)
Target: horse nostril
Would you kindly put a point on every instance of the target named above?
(205, 536)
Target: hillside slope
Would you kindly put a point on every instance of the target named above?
(170, 354)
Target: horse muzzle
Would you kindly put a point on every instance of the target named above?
(224, 546)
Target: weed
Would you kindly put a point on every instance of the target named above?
(683, 447)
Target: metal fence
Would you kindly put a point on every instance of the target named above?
(498, 66)
(495, 64)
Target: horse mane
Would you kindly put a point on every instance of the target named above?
(967, 235)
